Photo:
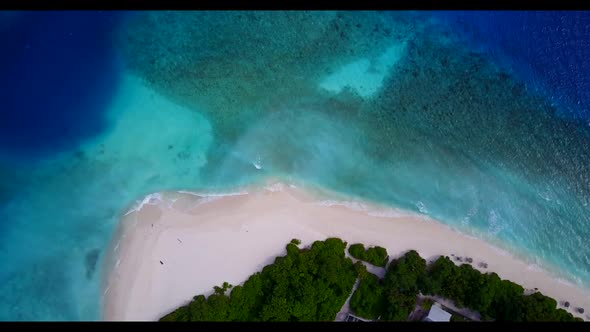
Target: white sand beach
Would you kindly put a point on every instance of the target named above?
(180, 245)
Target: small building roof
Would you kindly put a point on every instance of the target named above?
(437, 314)
(353, 318)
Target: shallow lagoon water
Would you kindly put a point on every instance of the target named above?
(201, 103)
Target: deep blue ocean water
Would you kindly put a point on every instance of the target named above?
(59, 71)
(80, 142)
(549, 50)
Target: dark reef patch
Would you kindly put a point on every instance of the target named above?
(236, 67)
(446, 115)
(480, 112)
(240, 68)
(90, 261)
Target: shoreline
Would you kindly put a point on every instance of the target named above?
(196, 241)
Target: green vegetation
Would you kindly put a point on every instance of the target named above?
(374, 255)
(394, 297)
(458, 318)
(305, 285)
(312, 284)
(296, 242)
(402, 283)
(369, 299)
(494, 298)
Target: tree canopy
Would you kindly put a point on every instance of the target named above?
(494, 298)
(312, 284)
(374, 255)
(305, 285)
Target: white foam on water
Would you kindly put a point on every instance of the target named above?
(376, 212)
(170, 202)
(465, 233)
(364, 76)
(496, 225)
(275, 187)
(500, 251)
(151, 199)
(204, 200)
(467, 219)
(389, 213)
(258, 162)
(534, 267)
(544, 196)
(564, 282)
(353, 205)
(188, 192)
(130, 211)
(238, 193)
(422, 207)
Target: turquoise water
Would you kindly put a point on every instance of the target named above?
(378, 106)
